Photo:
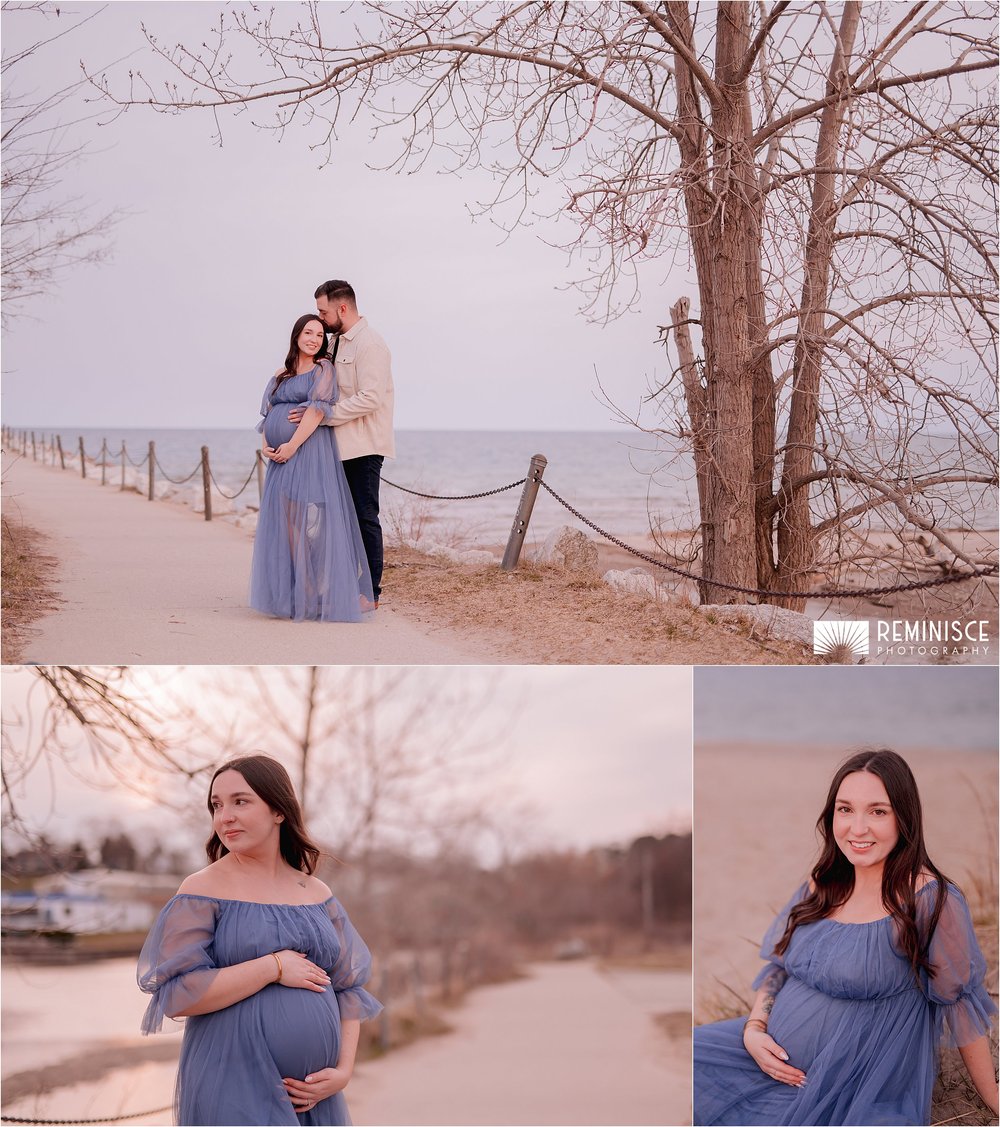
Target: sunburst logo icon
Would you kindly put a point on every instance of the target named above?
(841, 639)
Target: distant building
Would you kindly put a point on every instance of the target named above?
(91, 901)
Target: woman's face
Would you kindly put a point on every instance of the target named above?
(241, 818)
(311, 338)
(864, 823)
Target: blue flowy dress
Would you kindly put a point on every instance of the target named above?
(309, 560)
(854, 1018)
(233, 1060)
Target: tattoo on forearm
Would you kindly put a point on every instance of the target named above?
(773, 982)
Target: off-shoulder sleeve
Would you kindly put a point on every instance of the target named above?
(352, 969)
(965, 1010)
(265, 403)
(775, 964)
(177, 962)
(323, 390)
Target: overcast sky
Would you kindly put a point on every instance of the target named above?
(584, 755)
(220, 250)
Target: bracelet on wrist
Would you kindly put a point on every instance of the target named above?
(278, 961)
(756, 1023)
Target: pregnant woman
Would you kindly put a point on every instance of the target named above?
(871, 966)
(262, 963)
(308, 557)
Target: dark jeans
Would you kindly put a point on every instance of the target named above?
(363, 478)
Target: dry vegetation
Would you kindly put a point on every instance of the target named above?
(546, 615)
(27, 575)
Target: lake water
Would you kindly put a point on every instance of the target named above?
(615, 478)
(611, 476)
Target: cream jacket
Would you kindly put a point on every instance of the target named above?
(363, 412)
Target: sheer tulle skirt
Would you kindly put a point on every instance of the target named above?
(309, 560)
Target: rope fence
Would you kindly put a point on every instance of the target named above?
(53, 449)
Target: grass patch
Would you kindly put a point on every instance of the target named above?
(27, 573)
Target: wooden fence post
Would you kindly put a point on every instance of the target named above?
(62, 455)
(152, 462)
(34, 454)
(206, 481)
(104, 461)
(83, 459)
(516, 540)
(122, 487)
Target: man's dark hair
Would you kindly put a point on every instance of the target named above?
(337, 290)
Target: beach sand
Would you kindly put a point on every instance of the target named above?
(756, 809)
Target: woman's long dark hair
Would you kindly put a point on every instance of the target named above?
(292, 359)
(833, 876)
(269, 780)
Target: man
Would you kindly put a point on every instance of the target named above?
(363, 413)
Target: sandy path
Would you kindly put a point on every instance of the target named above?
(565, 1045)
(152, 583)
(568, 1045)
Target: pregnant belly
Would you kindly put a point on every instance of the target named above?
(277, 428)
(302, 1029)
(804, 1019)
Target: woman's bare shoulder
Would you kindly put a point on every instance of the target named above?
(317, 889)
(209, 881)
(315, 885)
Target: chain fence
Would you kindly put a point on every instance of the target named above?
(455, 496)
(104, 1119)
(815, 593)
(532, 482)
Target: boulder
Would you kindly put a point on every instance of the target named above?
(635, 581)
(569, 548)
(453, 555)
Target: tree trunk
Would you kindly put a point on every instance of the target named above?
(720, 208)
(796, 538)
(694, 396)
(730, 508)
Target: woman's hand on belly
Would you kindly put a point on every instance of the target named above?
(305, 1094)
(771, 1058)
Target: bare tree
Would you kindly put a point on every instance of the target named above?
(386, 759)
(829, 170)
(99, 724)
(45, 231)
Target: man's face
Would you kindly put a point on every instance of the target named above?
(330, 312)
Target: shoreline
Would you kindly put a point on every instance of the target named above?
(486, 616)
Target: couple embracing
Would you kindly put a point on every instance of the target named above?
(327, 425)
